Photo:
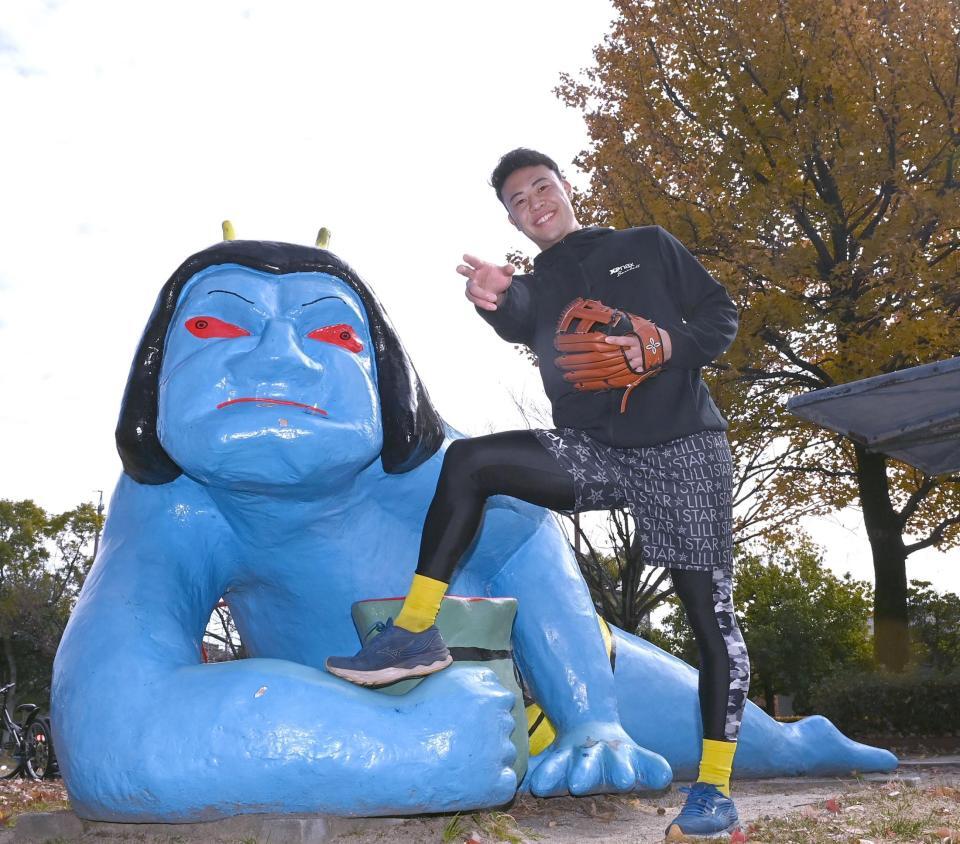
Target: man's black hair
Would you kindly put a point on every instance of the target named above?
(412, 428)
(515, 160)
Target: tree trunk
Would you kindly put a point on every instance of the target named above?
(11, 673)
(891, 641)
(769, 699)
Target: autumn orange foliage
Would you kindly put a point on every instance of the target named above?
(808, 152)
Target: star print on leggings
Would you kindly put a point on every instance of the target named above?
(679, 492)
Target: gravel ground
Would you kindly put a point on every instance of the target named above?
(800, 810)
(630, 820)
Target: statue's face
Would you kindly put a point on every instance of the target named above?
(268, 383)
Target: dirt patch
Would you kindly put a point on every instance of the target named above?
(877, 815)
(919, 805)
(922, 804)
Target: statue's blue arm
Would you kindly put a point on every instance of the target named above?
(146, 732)
(562, 657)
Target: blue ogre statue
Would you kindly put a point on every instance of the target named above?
(280, 452)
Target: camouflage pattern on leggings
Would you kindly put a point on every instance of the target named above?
(736, 650)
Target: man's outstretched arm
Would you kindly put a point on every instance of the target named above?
(502, 299)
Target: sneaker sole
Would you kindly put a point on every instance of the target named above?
(385, 676)
(674, 833)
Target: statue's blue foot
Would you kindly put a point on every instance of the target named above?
(595, 759)
(659, 709)
(812, 746)
(825, 748)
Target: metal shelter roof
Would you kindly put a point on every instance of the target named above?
(912, 415)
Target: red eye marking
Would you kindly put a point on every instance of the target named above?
(340, 335)
(207, 327)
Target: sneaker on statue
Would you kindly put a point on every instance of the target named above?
(396, 654)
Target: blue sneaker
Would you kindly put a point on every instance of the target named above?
(707, 813)
(396, 654)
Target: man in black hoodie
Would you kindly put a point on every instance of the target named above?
(659, 449)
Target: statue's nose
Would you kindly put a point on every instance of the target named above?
(277, 359)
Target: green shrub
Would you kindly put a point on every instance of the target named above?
(934, 626)
(801, 622)
(918, 703)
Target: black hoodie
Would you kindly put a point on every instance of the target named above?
(647, 272)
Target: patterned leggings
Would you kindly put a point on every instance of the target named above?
(724, 663)
(525, 465)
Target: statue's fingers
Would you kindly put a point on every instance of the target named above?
(506, 786)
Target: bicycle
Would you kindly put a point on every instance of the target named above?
(26, 746)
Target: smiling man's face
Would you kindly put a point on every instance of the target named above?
(538, 203)
(268, 382)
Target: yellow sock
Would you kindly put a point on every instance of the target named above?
(422, 604)
(716, 764)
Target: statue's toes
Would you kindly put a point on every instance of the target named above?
(622, 772)
(616, 768)
(653, 772)
(590, 767)
(549, 778)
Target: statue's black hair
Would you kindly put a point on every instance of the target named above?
(412, 428)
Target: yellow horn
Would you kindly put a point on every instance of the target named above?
(323, 238)
(228, 232)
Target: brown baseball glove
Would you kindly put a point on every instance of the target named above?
(592, 364)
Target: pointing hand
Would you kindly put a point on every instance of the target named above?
(486, 282)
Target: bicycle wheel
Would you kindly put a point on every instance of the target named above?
(37, 741)
(9, 756)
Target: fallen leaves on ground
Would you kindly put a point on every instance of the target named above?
(893, 812)
(23, 795)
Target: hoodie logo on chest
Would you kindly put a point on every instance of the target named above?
(623, 269)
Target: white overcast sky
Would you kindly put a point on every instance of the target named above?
(131, 129)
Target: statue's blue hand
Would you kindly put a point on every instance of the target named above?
(478, 748)
(595, 758)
